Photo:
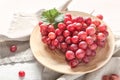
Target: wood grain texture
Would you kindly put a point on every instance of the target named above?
(56, 61)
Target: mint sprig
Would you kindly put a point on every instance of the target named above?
(52, 16)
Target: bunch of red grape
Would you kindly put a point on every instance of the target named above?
(78, 37)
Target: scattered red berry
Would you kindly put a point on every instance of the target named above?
(111, 77)
(13, 48)
(114, 77)
(21, 74)
(71, 27)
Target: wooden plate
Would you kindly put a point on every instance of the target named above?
(56, 61)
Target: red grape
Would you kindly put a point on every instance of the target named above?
(21, 74)
(78, 26)
(83, 45)
(61, 26)
(58, 32)
(102, 27)
(68, 15)
(82, 35)
(73, 63)
(52, 35)
(73, 47)
(69, 55)
(80, 53)
(96, 22)
(66, 33)
(63, 45)
(50, 28)
(71, 27)
(75, 39)
(99, 16)
(89, 40)
(88, 52)
(86, 59)
(68, 40)
(88, 21)
(93, 46)
(60, 38)
(90, 30)
(101, 37)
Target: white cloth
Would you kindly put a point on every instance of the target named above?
(19, 33)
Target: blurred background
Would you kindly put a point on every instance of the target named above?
(109, 8)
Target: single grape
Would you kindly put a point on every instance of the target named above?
(93, 46)
(89, 40)
(64, 45)
(60, 38)
(102, 27)
(50, 28)
(75, 39)
(68, 15)
(83, 45)
(73, 63)
(58, 32)
(88, 21)
(90, 30)
(101, 36)
(99, 16)
(80, 53)
(68, 40)
(82, 35)
(52, 35)
(69, 55)
(66, 33)
(73, 47)
(71, 27)
(96, 22)
(61, 26)
(86, 59)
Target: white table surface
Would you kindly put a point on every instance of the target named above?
(109, 8)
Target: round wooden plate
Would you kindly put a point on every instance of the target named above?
(56, 61)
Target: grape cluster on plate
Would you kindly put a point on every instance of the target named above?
(77, 37)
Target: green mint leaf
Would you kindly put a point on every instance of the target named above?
(52, 16)
(59, 18)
